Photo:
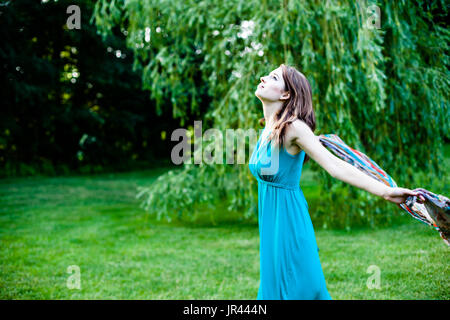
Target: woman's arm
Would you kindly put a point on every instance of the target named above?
(302, 135)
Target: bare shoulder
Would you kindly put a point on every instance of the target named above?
(299, 133)
(297, 129)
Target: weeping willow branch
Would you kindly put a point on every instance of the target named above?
(379, 89)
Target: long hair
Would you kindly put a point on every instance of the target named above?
(298, 106)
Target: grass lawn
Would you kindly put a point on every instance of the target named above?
(95, 223)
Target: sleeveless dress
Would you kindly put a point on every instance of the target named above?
(290, 268)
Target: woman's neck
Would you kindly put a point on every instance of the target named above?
(270, 110)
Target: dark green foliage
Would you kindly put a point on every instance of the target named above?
(51, 125)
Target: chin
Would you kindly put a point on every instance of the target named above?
(258, 92)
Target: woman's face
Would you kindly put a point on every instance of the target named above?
(271, 86)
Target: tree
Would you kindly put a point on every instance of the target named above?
(71, 101)
(384, 91)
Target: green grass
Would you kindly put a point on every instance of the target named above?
(94, 222)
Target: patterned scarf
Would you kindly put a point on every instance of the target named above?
(435, 211)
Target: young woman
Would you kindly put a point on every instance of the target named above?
(289, 260)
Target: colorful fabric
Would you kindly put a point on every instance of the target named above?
(435, 211)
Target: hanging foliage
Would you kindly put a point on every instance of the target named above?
(382, 87)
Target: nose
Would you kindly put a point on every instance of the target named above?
(262, 79)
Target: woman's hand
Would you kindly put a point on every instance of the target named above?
(399, 195)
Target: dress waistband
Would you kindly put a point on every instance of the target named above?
(278, 185)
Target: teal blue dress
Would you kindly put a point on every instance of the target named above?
(290, 268)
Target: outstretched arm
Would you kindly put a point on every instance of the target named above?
(302, 135)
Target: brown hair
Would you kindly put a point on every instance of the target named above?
(298, 106)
